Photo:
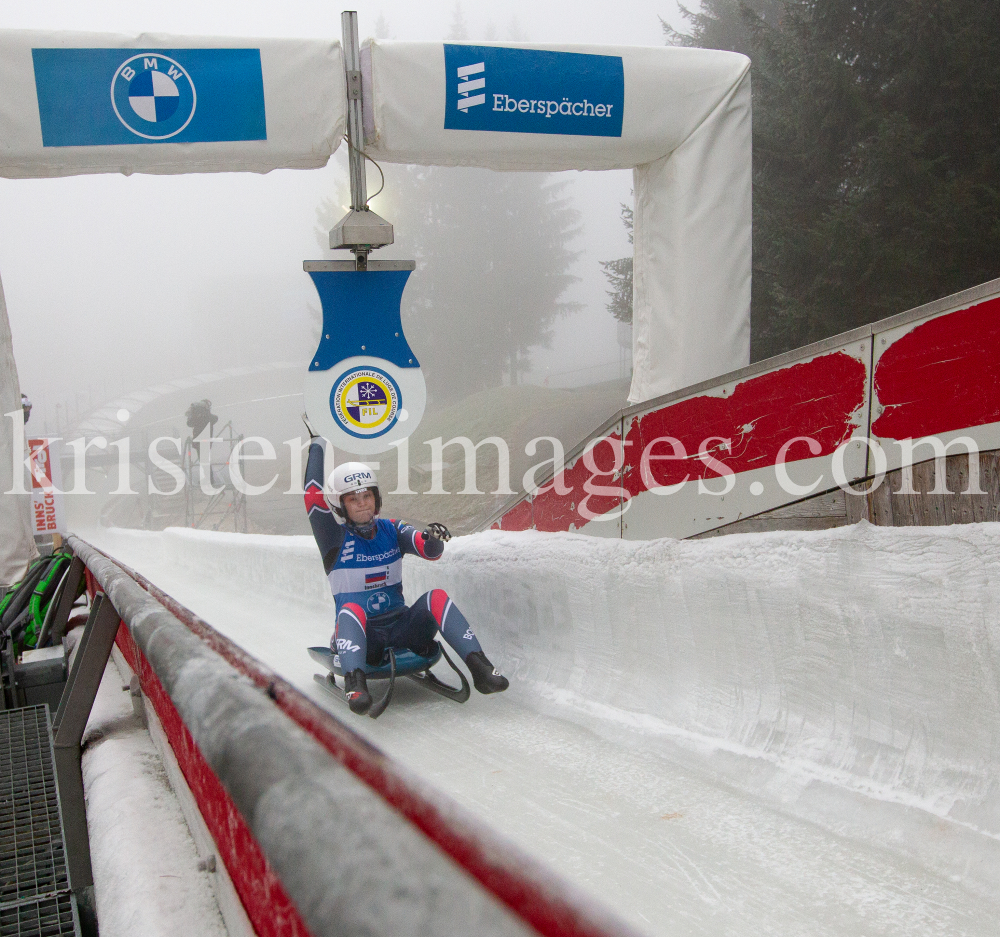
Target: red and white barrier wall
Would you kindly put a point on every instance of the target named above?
(784, 429)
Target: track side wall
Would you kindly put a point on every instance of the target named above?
(815, 421)
(320, 832)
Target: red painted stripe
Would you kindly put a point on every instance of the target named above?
(264, 898)
(552, 511)
(518, 517)
(358, 612)
(943, 375)
(818, 398)
(529, 890)
(439, 599)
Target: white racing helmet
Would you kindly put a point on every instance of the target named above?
(349, 477)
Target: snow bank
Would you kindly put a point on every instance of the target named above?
(264, 563)
(146, 876)
(861, 658)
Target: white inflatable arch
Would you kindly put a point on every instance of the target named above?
(74, 103)
(679, 118)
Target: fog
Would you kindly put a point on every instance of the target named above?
(115, 285)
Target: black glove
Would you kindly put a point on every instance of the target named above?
(437, 532)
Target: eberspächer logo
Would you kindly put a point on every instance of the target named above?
(467, 83)
(533, 91)
(153, 96)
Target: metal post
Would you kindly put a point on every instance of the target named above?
(355, 127)
(95, 608)
(361, 230)
(71, 719)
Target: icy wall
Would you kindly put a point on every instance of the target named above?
(849, 675)
(867, 654)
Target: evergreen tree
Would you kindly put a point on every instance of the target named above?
(619, 274)
(514, 31)
(876, 154)
(493, 260)
(458, 30)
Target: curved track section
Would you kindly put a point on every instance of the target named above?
(790, 733)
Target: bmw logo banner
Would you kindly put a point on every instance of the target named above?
(364, 389)
(86, 102)
(182, 95)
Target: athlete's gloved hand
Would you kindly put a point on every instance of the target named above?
(437, 532)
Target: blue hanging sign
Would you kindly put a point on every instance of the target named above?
(364, 389)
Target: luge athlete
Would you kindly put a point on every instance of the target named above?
(363, 560)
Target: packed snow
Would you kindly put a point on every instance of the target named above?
(146, 875)
(792, 733)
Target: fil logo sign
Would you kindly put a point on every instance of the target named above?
(467, 84)
(364, 390)
(534, 91)
(107, 97)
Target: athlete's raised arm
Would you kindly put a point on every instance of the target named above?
(328, 533)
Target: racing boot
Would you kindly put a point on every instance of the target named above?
(356, 691)
(484, 675)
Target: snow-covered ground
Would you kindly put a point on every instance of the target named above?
(146, 875)
(789, 733)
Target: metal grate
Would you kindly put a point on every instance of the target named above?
(34, 881)
(53, 916)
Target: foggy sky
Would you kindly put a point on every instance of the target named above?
(116, 283)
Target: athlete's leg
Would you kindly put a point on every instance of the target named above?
(456, 630)
(438, 611)
(349, 640)
(350, 643)
(414, 631)
(379, 635)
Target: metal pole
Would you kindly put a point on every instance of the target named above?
(71, 719)
(355, 127)
(361, 230)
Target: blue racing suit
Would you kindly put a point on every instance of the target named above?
(366, 578)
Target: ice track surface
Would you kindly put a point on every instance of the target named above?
(788, 734)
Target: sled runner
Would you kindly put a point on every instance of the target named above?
(395, 662)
